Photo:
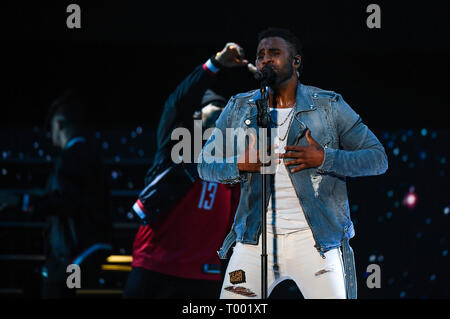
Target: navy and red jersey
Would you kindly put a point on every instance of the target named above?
(185, 240)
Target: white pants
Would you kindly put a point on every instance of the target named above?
(290, 256)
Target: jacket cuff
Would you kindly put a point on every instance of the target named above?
(327, 164)
(235, 176)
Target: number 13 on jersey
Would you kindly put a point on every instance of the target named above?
(209, 190)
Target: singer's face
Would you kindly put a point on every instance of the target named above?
(276, 53)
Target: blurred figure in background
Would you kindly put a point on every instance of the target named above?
(185, 219)
(76, 201)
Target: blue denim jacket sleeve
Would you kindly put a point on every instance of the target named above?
(360, 152)
(213, 165)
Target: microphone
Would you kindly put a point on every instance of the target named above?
(253, 70)
(266, 75)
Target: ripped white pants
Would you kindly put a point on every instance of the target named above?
(289, 256)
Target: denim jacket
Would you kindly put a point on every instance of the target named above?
(350, 149)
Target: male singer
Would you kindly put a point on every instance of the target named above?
(320, 141)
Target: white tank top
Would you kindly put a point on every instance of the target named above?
(284, 214)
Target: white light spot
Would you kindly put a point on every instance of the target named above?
(446, 210)
(410, 200)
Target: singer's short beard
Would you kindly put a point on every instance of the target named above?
(284, 75)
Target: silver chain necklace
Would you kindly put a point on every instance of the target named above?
(289, 116)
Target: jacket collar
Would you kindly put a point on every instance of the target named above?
(303, 98)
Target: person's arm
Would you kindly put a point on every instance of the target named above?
(361, 153)
(181, 104)
(65, 199)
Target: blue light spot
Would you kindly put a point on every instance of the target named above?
(445, 252)
(419, 235)
(397, 204)
(404, 138)
(432, 277)
(123, 140)
(428, 221)
(388, 215)
(380, 258)
(411, 165)
(405, 158)
(410, 132)
(433, 135)
(390, 193)
(443, 160)
(105, 145)
(423, 155)
(424, 132)
(390, 144)
(402, 294)
(396, 151)
(386, 135)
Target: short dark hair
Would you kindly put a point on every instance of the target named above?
(285, 34)
(69, 105)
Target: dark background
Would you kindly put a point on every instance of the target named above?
(129, 55)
